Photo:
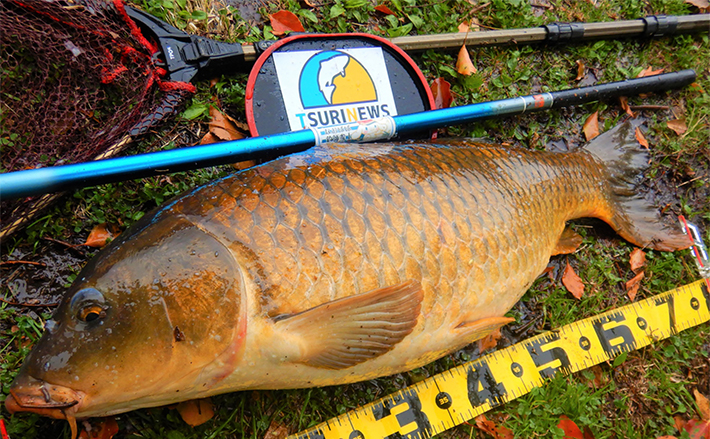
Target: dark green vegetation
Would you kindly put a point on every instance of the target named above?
(635, 398)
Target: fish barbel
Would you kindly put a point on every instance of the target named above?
(339, 264)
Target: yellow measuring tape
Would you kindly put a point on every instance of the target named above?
(460, 394)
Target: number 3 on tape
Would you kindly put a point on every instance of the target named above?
(460, 394)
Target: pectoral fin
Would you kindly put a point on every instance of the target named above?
(348, 331)
(477, 329)
(569, 242)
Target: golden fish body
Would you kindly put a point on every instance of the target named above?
(336, 265)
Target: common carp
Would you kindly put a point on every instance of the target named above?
(339, 264)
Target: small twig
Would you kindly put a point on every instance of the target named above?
(66, 244)
(649, 107)
(690, 181)
(37, 305)
(23, 262)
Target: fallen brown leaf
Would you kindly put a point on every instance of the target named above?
(648, 71)
(698, 429)
(490, 427)
(99, 236)
(489, 341)
(580, 70)
(641, 139)
(637, 259)
(106, 428)
(677, 125)
(703, 405)
(572, 282)
(624, 101)
(463, 27)
(384, 9)
(223, 126)
(209, 138)
(633, 285)
(703, 5)
(276, 431)
(591, 126)
(571, 429)
(463, 63)
(441, 89)
(285, 21)
(196, 411)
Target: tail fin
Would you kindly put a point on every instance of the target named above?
(633, 217)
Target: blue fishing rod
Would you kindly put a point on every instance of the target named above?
(59, 178)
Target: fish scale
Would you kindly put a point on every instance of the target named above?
(409, 239)
(339, 264)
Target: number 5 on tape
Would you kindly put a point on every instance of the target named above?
(455, 396)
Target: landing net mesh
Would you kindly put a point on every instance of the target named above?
(76, 77)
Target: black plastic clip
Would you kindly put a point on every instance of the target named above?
(659, 25)
(187, 56)
(261, 46)
(563, 32)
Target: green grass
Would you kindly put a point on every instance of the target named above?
(634, 398)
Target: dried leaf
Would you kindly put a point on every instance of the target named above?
(580, 70)
(105, 428)
(385, 10)
(624, 101)
(698, 429)
(632, 286)
(641, 139)
(703, 5)
(99, 236)
(648, 71)
(703, 405)
(591, 126)
(196, 411)
(441, 89)
(463, 63)
(666, 437)
(572, 282)
(209, 138)
(222, 128)
(464, 27)
(490, 427)
(285, 21)
(677, 125)
(276, 431)
(679, 422)
(570, 428)
(489, 341)
(600, 378)
(637, 259)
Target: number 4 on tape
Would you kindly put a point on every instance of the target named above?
(455, 396)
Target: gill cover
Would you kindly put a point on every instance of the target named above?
(148, 314)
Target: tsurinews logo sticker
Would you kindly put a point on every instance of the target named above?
(330, 87)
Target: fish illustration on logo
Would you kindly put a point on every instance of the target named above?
(332, 78)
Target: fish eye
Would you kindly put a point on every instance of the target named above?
(90, 313)
(88, 305)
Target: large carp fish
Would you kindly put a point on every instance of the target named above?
(339, 264)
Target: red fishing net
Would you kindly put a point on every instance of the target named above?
(77, 77)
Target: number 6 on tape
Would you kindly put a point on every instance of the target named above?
(455, 396)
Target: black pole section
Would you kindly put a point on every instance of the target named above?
(647, 84)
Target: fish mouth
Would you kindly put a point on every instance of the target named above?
(31, 395)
